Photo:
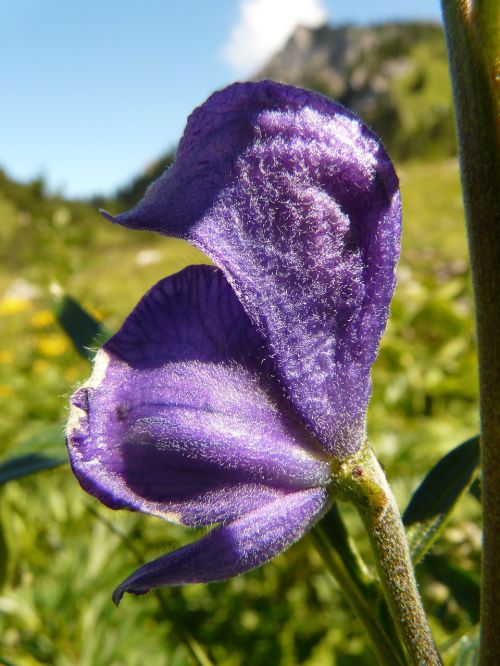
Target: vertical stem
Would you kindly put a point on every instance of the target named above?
(361, 480)
(472, 34)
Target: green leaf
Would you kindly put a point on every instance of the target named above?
(20, 466)
(48, 440)
(44, 450)
(442, 486)
(437, 495)
(84, 331)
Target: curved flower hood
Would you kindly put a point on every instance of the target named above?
(228, 390)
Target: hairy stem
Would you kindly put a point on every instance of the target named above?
(472, 31)
(361, 480)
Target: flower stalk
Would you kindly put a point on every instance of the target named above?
(472, 31)
(361, 480)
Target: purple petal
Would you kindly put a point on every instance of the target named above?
(179, 418)
(298, 203)
(230, 550)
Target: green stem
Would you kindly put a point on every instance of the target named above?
(361, 480)
(472, 35)
(358, 596)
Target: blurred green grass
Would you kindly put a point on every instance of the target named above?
(63, 562)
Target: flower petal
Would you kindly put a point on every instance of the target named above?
(179, 418)
(298, 203)
(232, 549)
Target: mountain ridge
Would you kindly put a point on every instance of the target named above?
(393, 75)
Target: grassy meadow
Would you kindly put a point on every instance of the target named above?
(62, 554)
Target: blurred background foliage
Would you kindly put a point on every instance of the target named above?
(61, 554)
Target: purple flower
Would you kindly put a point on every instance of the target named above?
(228, 391)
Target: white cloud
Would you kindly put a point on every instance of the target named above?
(263, 27)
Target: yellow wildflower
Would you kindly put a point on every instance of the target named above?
(42, 319)
(52, 345)
(6, 356)
(11, 305)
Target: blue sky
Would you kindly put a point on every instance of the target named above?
(92, 91)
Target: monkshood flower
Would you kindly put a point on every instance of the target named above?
(229, 390)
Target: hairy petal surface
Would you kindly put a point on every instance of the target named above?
(232, 549)
(298, 203)
(180, 417)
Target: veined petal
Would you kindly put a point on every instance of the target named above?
(180, 419)
(298, 203)
(232, 549)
